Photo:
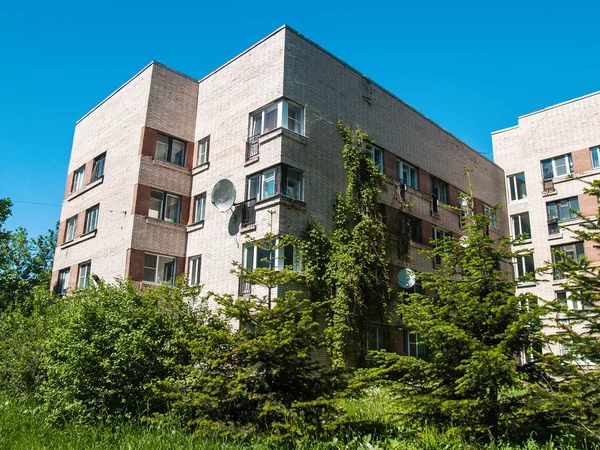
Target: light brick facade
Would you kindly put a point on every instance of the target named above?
(284, 67)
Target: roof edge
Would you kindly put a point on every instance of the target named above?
(557, 105)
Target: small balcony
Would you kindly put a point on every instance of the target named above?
(249, 212)
(434, 205)
(244, 287)
(548, 187)
(252, 147)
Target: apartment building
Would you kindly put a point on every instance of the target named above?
(138, 201)
(547, 157)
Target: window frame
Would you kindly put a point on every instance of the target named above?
(520, 265)
(413, 339)
(568, 163)
(555, 209)
(279, 257)
(513, 229)
(414, 179)
(203, 149)
(491, 215)
(513, 187)
(278, 177)
(78, 179)
(88, 224)
(83, 284)
(195, 268)
(98, 167)
(595, 151)
(172, 260)
(163, 206)
(169, 152)
(282, 118)
(382, 337)
(62, 283)
(199, 207)
(442, 187)
(71, 229)
(376, 154)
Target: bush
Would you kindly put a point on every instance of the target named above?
(110, 341)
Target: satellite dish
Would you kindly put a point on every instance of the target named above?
(406, 278)
(223, 195)
(464, 202)
(464, 241)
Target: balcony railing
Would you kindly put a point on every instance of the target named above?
(252, 147)
(245, 287)
(548, 187)
(249, 212)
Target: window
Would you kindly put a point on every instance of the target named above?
(491, 215)
(281, 114)
(595, 154)
(91, 219)
(524, 265)
(158, 269)
(203, 146)
(279, 180)
(170, 150)
(417, 288)
(561, 211)
(570, 302)
(516, 187)
(83, 281)
(194, 269)
(410, 228)
(376, 156)
(574, 251)
(557, 167)
(408, 175)
(377, 338)
(277, 258)
(438, 236)
(199, 207)
(98, 167)
(63, 281)
(439, 190)
(164, 206)
(521, 226)
(415, 345)
(71, 229)
(78, 179)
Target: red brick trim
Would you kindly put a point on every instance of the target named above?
(179, 265)
(190, 154)
(588, 204)
(424, 182)
(148, 142)
(582, 161)
(69, 184)
(134, 266)
(141, 199)
(185, 209)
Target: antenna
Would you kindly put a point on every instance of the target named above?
(223, 195)
(406, 278)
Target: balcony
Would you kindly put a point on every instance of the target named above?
(244, 287)
(249, 212)
(548, 187)
(252, 147)
(434, 205)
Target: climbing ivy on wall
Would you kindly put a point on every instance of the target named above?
(350, 267)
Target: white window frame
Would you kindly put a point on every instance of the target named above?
(520, 265)
(78, 179)
(280, 184)
(277, 258)
(520, 224)
(413, 339)
(564, 160)
(160, 263)
(161, 213)
(63, 281)
(195, 265)
(382, 338)
(513, 187)
(203, 149)
(443, 189)
(376, 155)
(98, 167)
(283, 119)
(71, 229)
(169, 155)
(199, 207)
(491, 215)
(83, 277)
(412, 172)
(595, 156)
(91, 219)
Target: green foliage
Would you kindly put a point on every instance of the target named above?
(110, 341)
(24, 262)
(350, 267)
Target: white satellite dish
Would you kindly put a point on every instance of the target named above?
(223, 195)
(406, 278)
(464, 202)
(464, 241)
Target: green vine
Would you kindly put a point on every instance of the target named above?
(350, 268)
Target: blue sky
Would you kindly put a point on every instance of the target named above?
(472, 67)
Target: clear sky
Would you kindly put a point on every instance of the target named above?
(472, 67)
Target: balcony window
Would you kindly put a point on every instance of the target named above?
(376, 155)
(199, 207)
(158, 269)
(557, 167)
(78, 179)
(170, 150)
(521, 226)
(408, 175)
(194, 270)
(281, 114)
(255, 257)
(415, 345)
(491, 215)
(71, 229)
(62, 284)
(524, 265)
(91, 219)
(595, 155)
(561, 211)
(83, 280)
(164, 206)
(574, 251)
(98, 167)
(517, 188)
(203, 147)
(278, 180)
(439, 190)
